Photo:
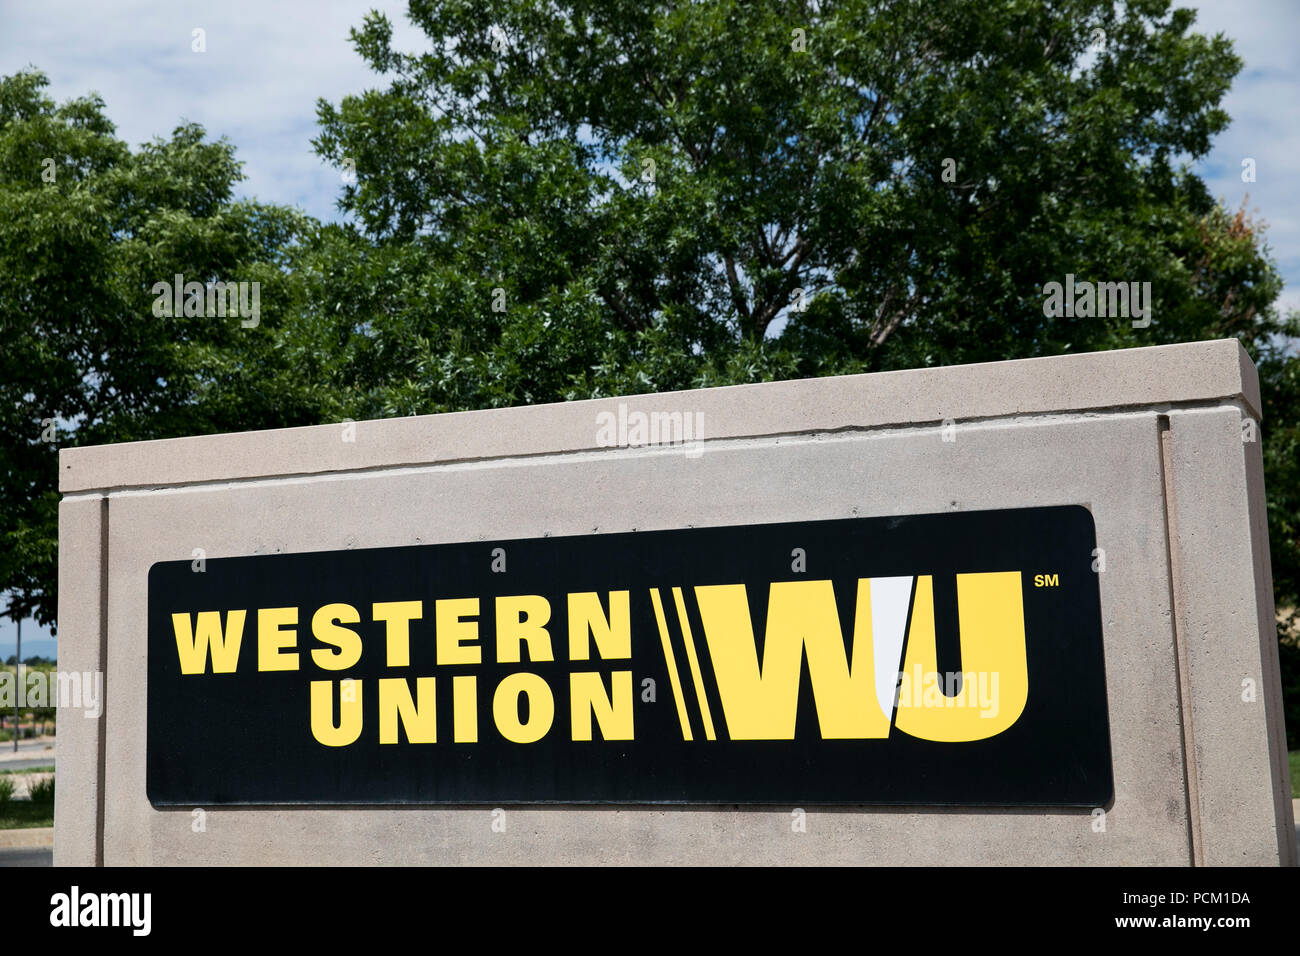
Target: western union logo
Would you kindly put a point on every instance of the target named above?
(888, 681)
(862, 697)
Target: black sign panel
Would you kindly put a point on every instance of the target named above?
(947, 659)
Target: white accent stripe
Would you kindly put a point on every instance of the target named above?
(890, 598)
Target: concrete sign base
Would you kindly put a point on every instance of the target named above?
(1160, 445)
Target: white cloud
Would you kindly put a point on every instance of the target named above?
(1264, 104)
(257, 83)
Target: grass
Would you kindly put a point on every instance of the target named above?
(38, 811)
(20, 814)
(49, 769)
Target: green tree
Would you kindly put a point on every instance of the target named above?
(586, 198)
(643, 191)
(87, 227)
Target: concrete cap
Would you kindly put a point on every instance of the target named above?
(1168, 375)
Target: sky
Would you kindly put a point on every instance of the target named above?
(265, 64)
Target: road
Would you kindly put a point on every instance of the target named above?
(27, 763)
(27, 856)
(31, 753)
(38, 743)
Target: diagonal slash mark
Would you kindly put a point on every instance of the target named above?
(671, 661)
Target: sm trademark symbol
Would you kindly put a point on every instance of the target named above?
(1047, 580)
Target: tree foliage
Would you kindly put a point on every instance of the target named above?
(907, 174)
(87, 227)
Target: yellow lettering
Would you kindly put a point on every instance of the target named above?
(420, 721)
(325, 627)
(453, 632)
(613, 713)
(991, 620)
(322, 714)
(520, 619)
(193, 641)
(762, 703)
(464, 693)
(541, 708)
(613, 635)
(272, 640)
(398, 616)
